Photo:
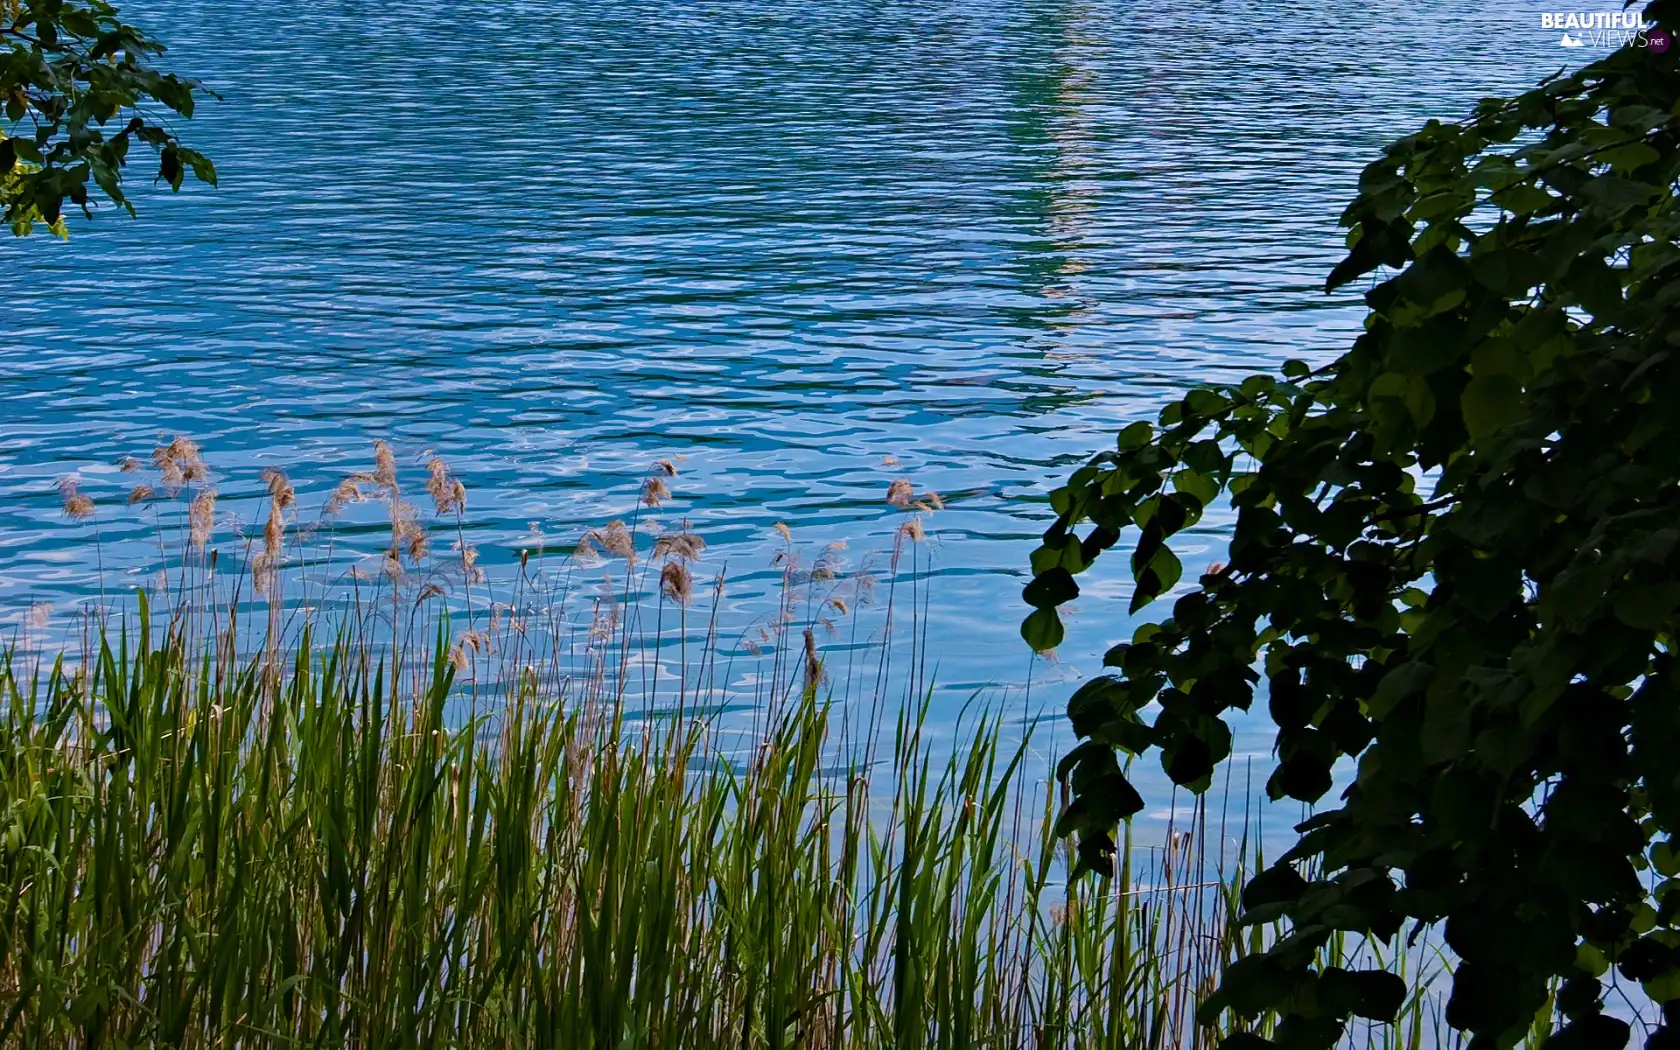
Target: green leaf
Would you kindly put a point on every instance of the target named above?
(1052, 587)
(1136, 436)
(1628, 157)
(1446, 726)
(1402, 682)
(1376, 995)
(1205, 402)
(1278, 884)
(1512, 272)
(1431, 285)
(1646, 606)
(1592, 1032)
(1159, 576)
(1665, 859)
(1250, 985)
(1042, 630)
(1197, 485)
(1524, 199)
(1100, 700)
(1615, 192)
(1490, 403)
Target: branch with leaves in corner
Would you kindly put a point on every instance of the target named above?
(1495, 659)
(78, 90)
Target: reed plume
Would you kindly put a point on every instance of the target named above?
(676, 581)
(179, 463)
(265, 567)
(614, 538)
(685, 545)
(345, 492)
(447, 492)
(655, 492)
(77, 505)
(201, 518)
(384, 465)
(279, 487)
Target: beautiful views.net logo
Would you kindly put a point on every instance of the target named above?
(1606, 29)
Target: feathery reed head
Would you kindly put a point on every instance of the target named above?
(447, 492)
(813, 665)
(899, 493)
(265, 567)
(655, 492)
(684, 545)
(348, 491)
(201, 518)
(77, 507)
(384, 464)
(274, 531)
(676, 582)
(140, 494)
(418, 544)
(279, 487)
(179, 463)
(263, 573)
(408, 536)
(615, 539)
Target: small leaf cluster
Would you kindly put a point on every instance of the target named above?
(1455, 562)
(78, 90)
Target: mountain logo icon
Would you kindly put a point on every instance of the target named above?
(1571, 41)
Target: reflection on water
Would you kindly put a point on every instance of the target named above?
(555, 240)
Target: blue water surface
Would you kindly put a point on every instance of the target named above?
(810, 246)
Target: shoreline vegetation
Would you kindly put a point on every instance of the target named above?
(235, 814)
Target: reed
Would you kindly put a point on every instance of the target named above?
(412, 822)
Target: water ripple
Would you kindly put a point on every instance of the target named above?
(555, 240)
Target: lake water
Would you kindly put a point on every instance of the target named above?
(556, 241)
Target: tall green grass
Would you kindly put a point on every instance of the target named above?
(204, 853)
(233, 822)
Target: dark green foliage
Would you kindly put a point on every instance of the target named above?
(1456, 559)
(76, 84)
